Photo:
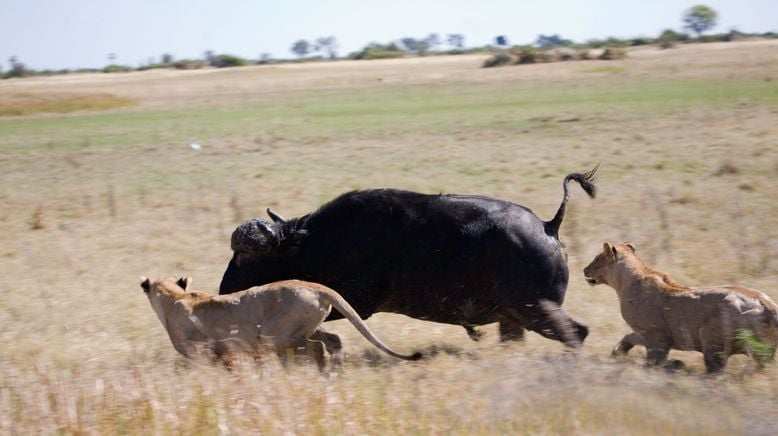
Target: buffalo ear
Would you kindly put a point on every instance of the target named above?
(184, 283)
(145, 283)
(630, 245)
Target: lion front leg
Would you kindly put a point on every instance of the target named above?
(627, 343)
(657, 348)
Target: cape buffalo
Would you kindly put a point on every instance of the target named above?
(458, 259)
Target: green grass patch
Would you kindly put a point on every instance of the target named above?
(383, 111)
(604, 69)
(31, 104)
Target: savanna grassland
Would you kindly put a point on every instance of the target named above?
(101, 186)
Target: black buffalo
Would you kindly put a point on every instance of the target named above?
(457, 259)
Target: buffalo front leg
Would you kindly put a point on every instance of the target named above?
(550, 321)
(473, 332)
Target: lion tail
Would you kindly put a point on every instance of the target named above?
(341, 305)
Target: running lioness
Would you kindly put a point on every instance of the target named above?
(276, 317)
(665, 315)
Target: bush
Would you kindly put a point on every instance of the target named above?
(669, 37)
(154, 66)
(561, 54)
(378, 51)
(613, 53)
(189, 64)
(641, 41)
(114, 68)
(226, 61)
(500, 59)
(530, 55)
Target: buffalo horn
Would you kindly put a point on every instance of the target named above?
(275, 217)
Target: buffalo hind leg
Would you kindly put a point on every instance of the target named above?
(511, 330)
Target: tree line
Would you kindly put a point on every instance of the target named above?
(698, 19)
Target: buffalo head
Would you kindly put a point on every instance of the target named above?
(254, 237)
(259, 248)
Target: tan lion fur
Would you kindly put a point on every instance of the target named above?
(664, 314)
(277, 317)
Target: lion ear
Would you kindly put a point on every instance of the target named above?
(145, 283)
(184, 283)
(609, 249)
(630, 245)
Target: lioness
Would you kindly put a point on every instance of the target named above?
(665, 315)
(277, 317)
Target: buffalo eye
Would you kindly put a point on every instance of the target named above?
(242, 258)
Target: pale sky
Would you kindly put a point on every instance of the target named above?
(82, 33)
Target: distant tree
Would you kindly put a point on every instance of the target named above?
(208, 56)
(18, 69)
(432, 40)
(301, 48)
(166, 58)
(700, 18)
(413, 45)
(546, 41)
(456, 40)
(501, 40)
(265, 58)
(327, 45)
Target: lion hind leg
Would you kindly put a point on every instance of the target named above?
(332, 344)
(715, 346)
(315, 349)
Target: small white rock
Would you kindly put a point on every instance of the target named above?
(195, 146)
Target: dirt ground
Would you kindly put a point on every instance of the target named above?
(686, 139)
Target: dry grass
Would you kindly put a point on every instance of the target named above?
(30, 104)
(93, 201)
